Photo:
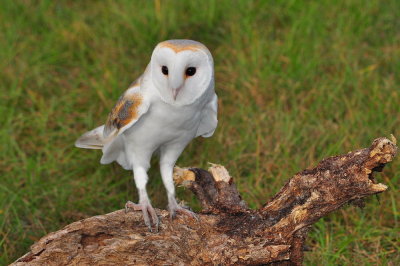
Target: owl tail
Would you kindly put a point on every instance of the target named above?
(92, 139)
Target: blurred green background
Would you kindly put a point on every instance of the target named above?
(298, 81)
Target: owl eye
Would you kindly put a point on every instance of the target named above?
(190, 71)
(164, 70)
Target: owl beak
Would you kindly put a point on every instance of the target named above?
(176, 84)
(176, 80)
(175, 92)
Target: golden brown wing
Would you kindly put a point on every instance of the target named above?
(128, 109)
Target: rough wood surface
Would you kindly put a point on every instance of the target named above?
(227, 232)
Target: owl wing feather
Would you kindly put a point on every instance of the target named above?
(128, 109)
(209, 119)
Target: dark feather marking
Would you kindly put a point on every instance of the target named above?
(124, 111)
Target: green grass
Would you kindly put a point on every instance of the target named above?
(297, 81)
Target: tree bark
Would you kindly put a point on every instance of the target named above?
(227, 231)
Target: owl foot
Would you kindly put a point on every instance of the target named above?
(146, 209)
(177, 209)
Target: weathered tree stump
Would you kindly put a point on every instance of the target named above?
(227, 231)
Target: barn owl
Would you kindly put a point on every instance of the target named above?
(170, 104)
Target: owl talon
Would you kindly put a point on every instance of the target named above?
(172, 215)
(181, 210)
(154, 218)
(146, 209)
(129, 205)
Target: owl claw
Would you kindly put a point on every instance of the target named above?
(146, 209)
(129, 205)
(182, 210)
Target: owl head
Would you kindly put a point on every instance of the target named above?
(181, 70)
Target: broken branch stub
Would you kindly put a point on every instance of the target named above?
(214, 188)
(227, 232)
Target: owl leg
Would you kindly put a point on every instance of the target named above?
(174, 208)
(140, 176)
